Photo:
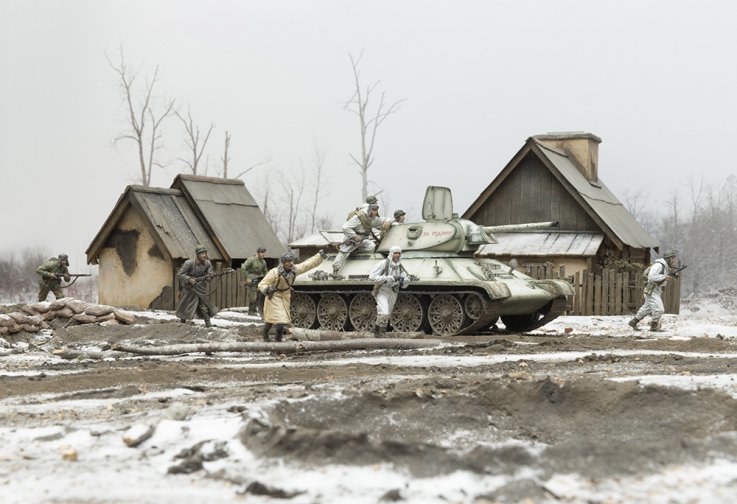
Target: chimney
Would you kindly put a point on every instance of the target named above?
(581, 147)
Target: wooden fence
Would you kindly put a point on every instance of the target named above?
(226, 293)
(608, 293)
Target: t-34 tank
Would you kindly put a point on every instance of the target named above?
(452, 291)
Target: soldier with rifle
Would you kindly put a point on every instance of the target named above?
(359, 235)
(52, 272)
(277, 287)
(657, 275)
(254, 269)
(194, 277)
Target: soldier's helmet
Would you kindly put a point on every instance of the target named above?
(371, 200)
(669, 253)
(261, 249)
(399, 213)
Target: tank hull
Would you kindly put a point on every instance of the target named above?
(449, 294)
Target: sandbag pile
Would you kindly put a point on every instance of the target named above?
(34, 317)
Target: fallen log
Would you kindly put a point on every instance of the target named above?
(89, 354)
(301, 334)
(283, 347)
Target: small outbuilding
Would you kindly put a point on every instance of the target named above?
(555, 177)
(152, 231)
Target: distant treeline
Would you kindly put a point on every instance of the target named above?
(702, 227)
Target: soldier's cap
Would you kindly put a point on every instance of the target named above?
(261, 249)
(287, 258)
(200, 249)
(373, 206)
(399, 213)
(371, 200)
(395, 248)
(63, 257)
(669, 253)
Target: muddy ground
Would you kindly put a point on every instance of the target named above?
(499, 417)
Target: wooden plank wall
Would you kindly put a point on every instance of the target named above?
(610, 293)
(226, 291)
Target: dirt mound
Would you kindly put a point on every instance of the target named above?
(594, 427)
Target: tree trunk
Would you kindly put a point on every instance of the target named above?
(284, 347)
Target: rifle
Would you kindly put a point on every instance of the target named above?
(74, 275)
(209, 276)
(676, 271)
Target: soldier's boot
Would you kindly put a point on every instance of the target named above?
(377, 331)
(252, 309)
(633, 323)
(382, 331)
(265, 333)
(655, 327)
(207, 321)
(279, 332)
(183, 321)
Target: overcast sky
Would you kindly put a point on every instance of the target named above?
(657, 81)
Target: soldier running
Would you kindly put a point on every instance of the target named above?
(194, 278)
(657, 276)
(389, 276)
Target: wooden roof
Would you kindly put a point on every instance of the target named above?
(218, 213)
(594, 197)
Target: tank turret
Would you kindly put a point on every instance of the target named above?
(454, 291)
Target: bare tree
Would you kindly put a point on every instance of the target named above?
(264, 161)
(226, 159)
(318, 195)
(193, 141)
(141, 117)
(293, 188)
(369, 121)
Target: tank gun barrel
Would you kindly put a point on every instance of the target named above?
(520, 227)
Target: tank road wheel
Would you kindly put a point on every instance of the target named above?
(332, 312)
(520, 323)
(408, 314)
(303, 310)
(363, 312)
(474, 306)
(445, 314)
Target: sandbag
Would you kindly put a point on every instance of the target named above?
(41, 306)
(59, 303)
(28, 310)
(50, 315)
(125, 317)
(14, 329)
(18, 317)
(30, 328)
(36, 320)
(77, 306)
(109, 316)
(99, 310)
(65, 312)
(83, 318)
(111, 322)
(6, 321)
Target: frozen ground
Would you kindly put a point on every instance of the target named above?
(581, 410)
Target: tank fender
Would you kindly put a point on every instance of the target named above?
(496, 290)
(555, 287)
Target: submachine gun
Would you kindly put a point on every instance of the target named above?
(675, 273)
